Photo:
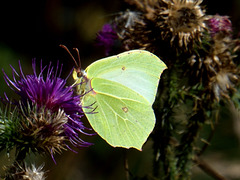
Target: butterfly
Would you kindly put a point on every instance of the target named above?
(120, 90)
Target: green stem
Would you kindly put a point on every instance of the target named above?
(164, 161)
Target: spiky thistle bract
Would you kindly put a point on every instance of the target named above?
(49, 111)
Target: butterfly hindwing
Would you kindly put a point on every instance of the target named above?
(119, 119)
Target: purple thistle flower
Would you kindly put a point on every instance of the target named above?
(219, 23)
(106, 38)
(51, 93)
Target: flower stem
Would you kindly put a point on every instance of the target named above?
(207, 169)
(126, 166)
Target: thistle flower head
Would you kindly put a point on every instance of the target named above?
(182, 21)
(107, 37)
(52, 111)
(219, 23)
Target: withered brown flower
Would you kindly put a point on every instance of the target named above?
(182, 20)
(216, 68)
(165, 27)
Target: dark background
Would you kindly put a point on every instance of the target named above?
(34, 29)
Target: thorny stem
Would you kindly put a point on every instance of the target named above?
(210, 136)
(207, 144)
(162, 133)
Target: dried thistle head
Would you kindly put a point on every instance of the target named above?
(147, 7)
(216, 68)
(126, 21)
(134, 27)
(43, 131)
(223, 84)
(220, 55)
(165, 27)
(31, 129)
(182, 21)
(111, 34)
(18, 172)
(226, 76)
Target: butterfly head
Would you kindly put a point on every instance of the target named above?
(78, 74)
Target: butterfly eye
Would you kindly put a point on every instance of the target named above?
(79, 74)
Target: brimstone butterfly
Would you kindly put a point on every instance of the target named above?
(120, 91)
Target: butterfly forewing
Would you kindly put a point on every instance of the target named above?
(123, 90)
(137, 69)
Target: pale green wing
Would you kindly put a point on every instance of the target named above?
(121, 116)
(124, 88)
(138, 70)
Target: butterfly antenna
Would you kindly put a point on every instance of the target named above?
(65, 47)
(78, 54)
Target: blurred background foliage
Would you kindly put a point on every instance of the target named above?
(34, 29)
